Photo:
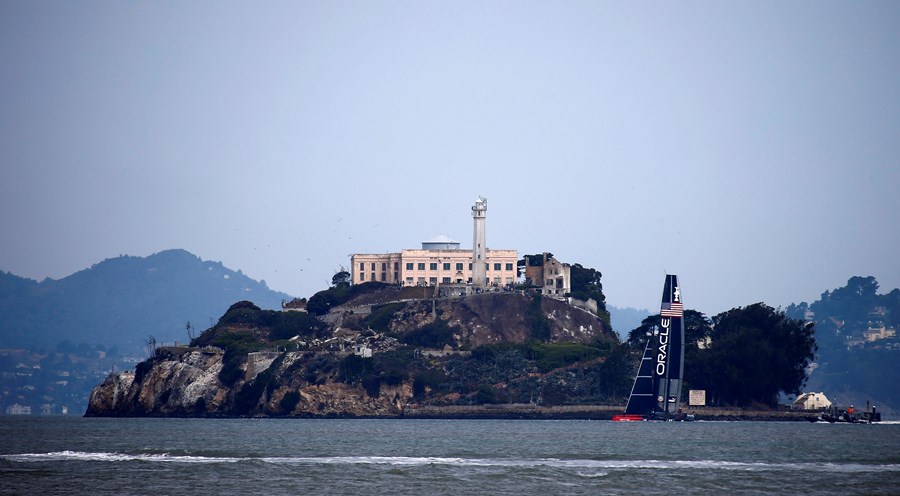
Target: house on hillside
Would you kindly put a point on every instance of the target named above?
(295, 305)
(878, 331)
(811, 401)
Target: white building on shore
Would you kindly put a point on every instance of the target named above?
(812, 401)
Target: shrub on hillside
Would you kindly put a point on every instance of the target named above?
(434, 335)
(323, 301)
(381, 316)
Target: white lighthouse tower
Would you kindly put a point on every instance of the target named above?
(479, 213)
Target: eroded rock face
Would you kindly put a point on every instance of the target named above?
(491, 318)
(177, 382)
(185, 382)
(342, 400)
(111, 394)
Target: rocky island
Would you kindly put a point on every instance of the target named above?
(380, 351)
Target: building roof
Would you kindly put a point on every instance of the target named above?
(803, 397)
(440, 238)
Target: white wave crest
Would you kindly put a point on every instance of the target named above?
(583, 467)
(115, 457)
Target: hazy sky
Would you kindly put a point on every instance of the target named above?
(752, 148)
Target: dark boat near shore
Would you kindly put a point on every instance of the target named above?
(848, 417)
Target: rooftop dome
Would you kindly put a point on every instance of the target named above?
(440, 242)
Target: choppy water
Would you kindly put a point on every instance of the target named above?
(60, 455)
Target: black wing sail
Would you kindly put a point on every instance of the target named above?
(669, 361)
(657, 387)
(643, 397)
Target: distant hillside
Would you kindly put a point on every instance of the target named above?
(859, 351)
(624, 320)
(121, 301)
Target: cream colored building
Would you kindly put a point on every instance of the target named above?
(440, 261)
(812, 401)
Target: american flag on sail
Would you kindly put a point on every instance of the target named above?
(671, 309)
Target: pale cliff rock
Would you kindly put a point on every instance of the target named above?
(184, 382)
(178, 381)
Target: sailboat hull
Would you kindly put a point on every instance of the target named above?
(628, 418)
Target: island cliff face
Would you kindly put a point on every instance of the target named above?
(375, 356)
(184, 383)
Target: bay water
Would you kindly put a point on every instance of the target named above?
(68, 455)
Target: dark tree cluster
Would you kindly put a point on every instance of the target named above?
(853, 303)
(743, 357)
(586, 285)
(755, 353)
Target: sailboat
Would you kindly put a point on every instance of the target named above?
(657, 387)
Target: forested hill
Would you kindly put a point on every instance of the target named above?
(859, 350)
(121, 301)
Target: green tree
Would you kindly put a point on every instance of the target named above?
(586, 284)
(615, 378)
(341, 279)
(891, 302)
(852, 302)
(755, 353)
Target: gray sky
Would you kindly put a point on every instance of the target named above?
(752, 148)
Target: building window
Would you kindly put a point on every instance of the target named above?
(373, 277)
(421, 281)
(459, 266)
(470, 268)
(497, 266)
(409, 281)
(383, 266)
(362, 277)
(383, 277)
(409, 265)
(496, 281)
(362, 266)
(509, 266)
(421, 265)
(487, 266)
(396, 265)
(396, 276)
(373, 265)
(446, 265)
(432, 266)
(432, 280)
(446, 280)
